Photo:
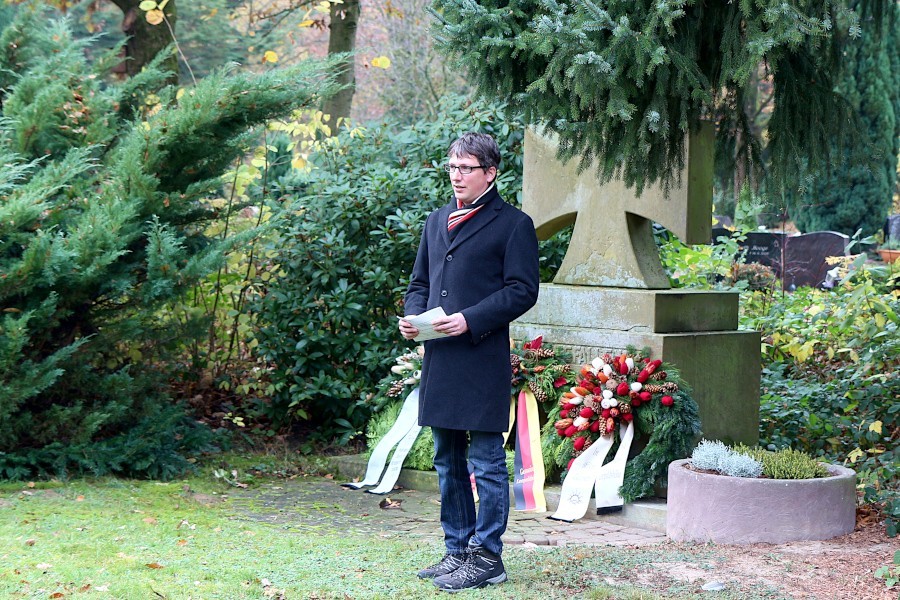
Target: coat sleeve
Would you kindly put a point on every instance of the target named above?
(416, 300)
(521, 281)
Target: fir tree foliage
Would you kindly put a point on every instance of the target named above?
(623, 81)
(103, 208)
(856, 192)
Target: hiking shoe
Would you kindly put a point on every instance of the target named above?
(480, 568)
(445, 566)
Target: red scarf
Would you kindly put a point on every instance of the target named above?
(463, 214)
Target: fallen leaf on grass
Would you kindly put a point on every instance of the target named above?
(30, 542)
(43, 566)
(57, 595)
(155, 565)
(149, 520)
(30, 484)
(328, 476)
(388, 503)
(79, 498)
(181, 542)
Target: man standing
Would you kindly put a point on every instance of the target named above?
(478, 260)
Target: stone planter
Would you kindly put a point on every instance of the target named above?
(705, 507)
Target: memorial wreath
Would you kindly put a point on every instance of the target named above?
(615, 390)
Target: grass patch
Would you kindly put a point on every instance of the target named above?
(129, 539)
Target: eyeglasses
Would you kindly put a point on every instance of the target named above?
(464, 169)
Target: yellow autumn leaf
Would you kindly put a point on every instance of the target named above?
(306, 23)
(155, 17)
(298, 163)
(148, 5)
(270, 56)
(814, 310)
(382, 62)
(855, 455)
(879, 320)
(875, 426)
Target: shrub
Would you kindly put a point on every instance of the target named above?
(716, 456)
(786, 463)
(709, 455)
(101, 228)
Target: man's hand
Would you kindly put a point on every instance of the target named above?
(454, 324)
(407, 329)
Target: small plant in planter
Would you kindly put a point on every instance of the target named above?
(746, 495)
(744, 461)
(889, 250)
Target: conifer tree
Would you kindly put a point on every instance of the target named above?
(856, 193)
(624, 81)
(102, 220)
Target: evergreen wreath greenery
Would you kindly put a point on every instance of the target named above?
(671, 429)
(672, 425)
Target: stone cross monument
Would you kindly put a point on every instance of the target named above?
(611, 290)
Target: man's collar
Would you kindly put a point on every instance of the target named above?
(475, 201)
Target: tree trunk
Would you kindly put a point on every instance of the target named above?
(145, 41)
(344, 19)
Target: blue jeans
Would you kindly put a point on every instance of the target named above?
(462, 527)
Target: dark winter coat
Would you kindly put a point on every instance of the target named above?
(488, 271)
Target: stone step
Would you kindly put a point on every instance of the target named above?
(648, 513)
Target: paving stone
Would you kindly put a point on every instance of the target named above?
(313, 504)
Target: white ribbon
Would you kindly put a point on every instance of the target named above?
(611, 475)
(393, 470)
(402, 434)
(576, 490)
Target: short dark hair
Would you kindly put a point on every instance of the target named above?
(480, 145)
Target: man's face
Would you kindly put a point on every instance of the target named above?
(467, 188)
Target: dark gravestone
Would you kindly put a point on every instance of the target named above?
(722, 221)
(799, 260)
(805, 257)
(765, 248)
(718, 232)
(891, 228)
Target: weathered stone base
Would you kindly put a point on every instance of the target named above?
(695, 331)
(706, 507)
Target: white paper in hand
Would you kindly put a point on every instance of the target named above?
(423, 324)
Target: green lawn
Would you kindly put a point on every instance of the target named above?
(143, 539)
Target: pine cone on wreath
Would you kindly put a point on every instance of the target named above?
(395, 389)
(539, 394)
(624, 408)
(611, 384)
(544, 353)
(514, 361)
(670, 387)
(659, 375)
(654, 388)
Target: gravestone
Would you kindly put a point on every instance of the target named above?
(765, 248)
(611, 291)
(892, 228)
(805, 257)
(799, 260)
